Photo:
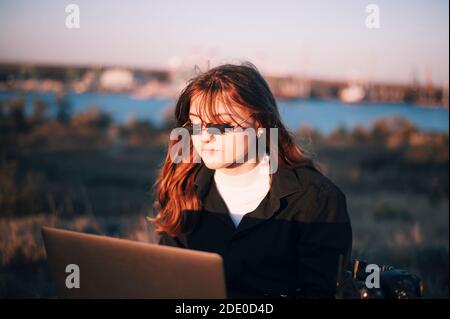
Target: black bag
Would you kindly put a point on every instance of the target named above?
(393, 283)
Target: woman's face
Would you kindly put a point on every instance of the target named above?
(223, 150)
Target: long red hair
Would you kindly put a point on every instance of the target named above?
(239, 85)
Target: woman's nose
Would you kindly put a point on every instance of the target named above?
(206, 135)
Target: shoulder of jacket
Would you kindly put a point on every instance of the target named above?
(315, 180)
(322, 199)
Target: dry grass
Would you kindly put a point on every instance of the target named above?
(23, 272)
(91, 178)
(418, 243)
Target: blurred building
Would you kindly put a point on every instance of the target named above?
(117, 79)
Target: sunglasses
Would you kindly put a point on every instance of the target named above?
(215, 129)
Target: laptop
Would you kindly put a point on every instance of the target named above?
(91, 266)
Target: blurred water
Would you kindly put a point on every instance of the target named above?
(324, 116)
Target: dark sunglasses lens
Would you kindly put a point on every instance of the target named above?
(219, 128)
(195, 129)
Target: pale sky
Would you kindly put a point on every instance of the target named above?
(315, 38)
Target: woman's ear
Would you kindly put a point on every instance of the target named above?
(259, 129)
(259, 132)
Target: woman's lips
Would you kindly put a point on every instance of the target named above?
(210, 151)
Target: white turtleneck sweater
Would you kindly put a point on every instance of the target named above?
(244, 192)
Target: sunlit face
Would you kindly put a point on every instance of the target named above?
(224, 150)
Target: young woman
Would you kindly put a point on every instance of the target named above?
(280, 225)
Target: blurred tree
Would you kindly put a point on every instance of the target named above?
(93, 117)
(39, 112)
(64, 109)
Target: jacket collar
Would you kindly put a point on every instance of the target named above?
(285, 181)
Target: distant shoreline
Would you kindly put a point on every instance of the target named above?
(325, 116)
